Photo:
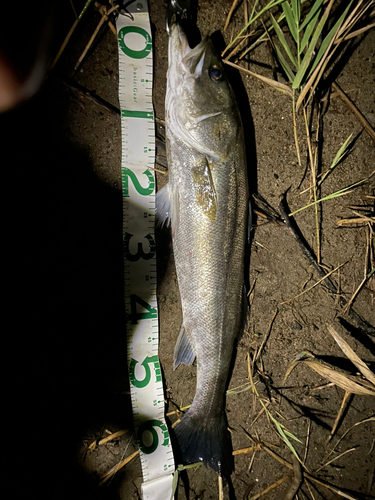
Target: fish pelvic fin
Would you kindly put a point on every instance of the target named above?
(184, 353)
(207, 440)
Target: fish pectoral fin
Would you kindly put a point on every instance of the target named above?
(183, 352)
(163, 206)
(204, 189)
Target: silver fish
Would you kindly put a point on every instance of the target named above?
(206, 201)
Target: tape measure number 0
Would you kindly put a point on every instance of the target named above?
(138, 185)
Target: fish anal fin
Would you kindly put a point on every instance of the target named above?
(183, 353)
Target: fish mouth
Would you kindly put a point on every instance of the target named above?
(192, 59)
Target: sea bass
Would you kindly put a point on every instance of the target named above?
(206, 201)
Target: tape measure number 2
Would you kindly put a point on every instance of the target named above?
(138, 185)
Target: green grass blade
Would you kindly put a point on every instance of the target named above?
(291, 20)
(176, 475)
(331, 196)
(285, 65)
(267, 7)
(339, 155)
(307, 59)
(253, 10)
(309, 29)
(328, 38)
(296, 9)
(314, 10)
(292, 436)
(279, 428)
(282, 40)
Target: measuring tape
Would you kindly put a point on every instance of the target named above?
(138, 186)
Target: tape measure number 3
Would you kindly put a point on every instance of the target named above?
(138, 186)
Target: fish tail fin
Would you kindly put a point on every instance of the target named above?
(207, 440)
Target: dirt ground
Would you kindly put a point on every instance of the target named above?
(66, 336)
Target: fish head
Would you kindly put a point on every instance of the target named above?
(200, 104)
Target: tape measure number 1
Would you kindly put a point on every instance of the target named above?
(138, 185)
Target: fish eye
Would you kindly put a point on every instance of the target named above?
(216, 74)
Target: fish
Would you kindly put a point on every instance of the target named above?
(206, 203)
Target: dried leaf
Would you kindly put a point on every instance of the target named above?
(348, 351)
(349, 383)
(300, 357)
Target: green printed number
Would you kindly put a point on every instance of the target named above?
(149, 360)
(150, 447)
(134, 315)
(133, 257)
(135, 54)
(144, 191)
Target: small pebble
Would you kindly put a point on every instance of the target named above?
(296, 326)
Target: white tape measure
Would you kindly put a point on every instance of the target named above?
(138, 185)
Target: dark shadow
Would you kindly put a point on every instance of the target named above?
(313, 414)
(64, 313)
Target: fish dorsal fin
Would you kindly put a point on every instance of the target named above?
(183, 353)
(204, 189)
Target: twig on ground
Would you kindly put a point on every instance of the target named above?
(370, 419)
(307, 442)
(314, 285)
(320, 387)
(336, 458)
(277, 85)
(69, 35)
(354, 110)
(264, 408)
(245, 451)
(251, 462)
(307, 475)
(234, 5)
(105, 14)
(220, 485)
(297, 479)
(344, 403)
(266, 335)
(105, 440)
(117, 467)
(352, 299)
(273, 486)
(310, 490)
